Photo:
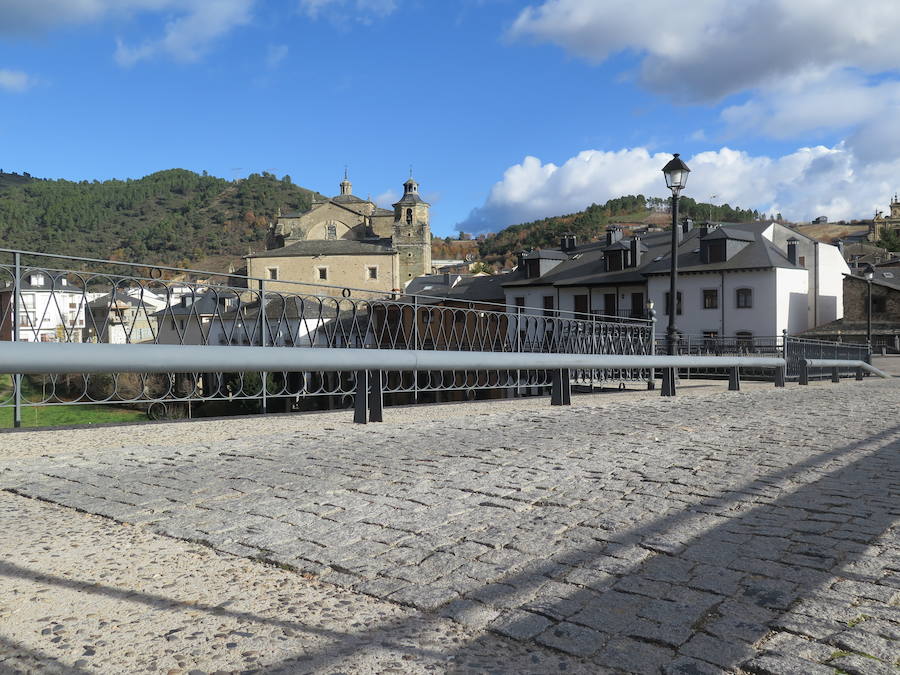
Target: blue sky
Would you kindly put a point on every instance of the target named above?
(507, 110)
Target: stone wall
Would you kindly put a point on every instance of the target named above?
(855, 301)
(351, 271)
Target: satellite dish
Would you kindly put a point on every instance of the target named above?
(470, 257)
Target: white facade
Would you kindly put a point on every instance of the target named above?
(746, 303)
(826, 269)
(50, 311)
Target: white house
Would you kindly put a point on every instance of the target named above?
(49, 309)
(735, 280)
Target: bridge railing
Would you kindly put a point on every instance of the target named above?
(58, 299)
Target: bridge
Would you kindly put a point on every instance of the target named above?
(752, 531)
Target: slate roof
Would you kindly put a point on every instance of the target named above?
(583, 266)
(330, 247)
(484, 288)
(103, 302)
(348, 199)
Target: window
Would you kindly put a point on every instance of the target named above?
(709, 339)
(802, 261)
(879, 304)
(744, 339)
(372, 272)
(711, 299)
(744, 298)
(272, 272)
(322, 273)
(409, 216)
(548, 305)
(581, 304)
(678, 306)
(331, 231)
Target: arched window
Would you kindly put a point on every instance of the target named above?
(409, 216)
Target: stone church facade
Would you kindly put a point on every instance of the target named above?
(882, 224)
(348, 242)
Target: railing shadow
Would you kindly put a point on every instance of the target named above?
(679, 586)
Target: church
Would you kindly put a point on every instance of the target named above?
(882, 225)
(348, 242)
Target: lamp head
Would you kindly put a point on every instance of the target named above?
(676, 173)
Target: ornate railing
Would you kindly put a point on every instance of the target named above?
(51, 298)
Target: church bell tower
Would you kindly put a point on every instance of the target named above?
(412, 233)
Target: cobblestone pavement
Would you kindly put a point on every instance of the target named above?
(752, 531)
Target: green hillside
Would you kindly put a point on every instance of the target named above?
(173, 217)
(590, 224)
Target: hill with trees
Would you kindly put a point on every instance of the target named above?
(174, 217)
(590, 225)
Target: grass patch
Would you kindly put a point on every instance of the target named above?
(67, 415)
(59, 415)
(858, 619)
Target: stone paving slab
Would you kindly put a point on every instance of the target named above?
(751, 531)
(82, 594)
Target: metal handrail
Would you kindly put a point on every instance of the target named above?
(844, 363)
(52, 358)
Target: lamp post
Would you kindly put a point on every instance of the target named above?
(870, 274)
(676, 173)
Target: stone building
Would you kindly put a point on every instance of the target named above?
(885, 287)
(348, 242)
(882, 223)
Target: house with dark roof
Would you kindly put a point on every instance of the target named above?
(347, 242)
(734, 280)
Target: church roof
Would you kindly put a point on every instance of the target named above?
(348, 199)
(411, 198)
(315, 247)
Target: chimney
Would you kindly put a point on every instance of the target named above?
(635, 251)
(613, 234)
(703, 231)
(792, 250)
(567, 242)
(686, 225)
(840, 246)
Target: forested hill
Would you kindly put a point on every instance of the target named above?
(590, 224)
(173, 217)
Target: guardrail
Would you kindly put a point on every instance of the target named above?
(835, 366)
(59, 299)
(366, 365)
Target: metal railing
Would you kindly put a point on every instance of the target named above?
(792, 348)
(53, 298)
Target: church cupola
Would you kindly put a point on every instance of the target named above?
(346, 185)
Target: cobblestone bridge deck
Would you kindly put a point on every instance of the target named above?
(750, 531)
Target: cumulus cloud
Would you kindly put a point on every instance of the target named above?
(15, 81)
(808, 67)
(359, 10)
(190, 35)
(192, 26)
(808, 182)
(707, 49)
(387, 199)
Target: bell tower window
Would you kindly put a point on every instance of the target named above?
(409, 216)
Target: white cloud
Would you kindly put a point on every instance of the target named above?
(801, 185)
(342, 10)
(387, 199)
(809, 67)
(275, 54)
(706, 49)
(191, 28)
(15, 81)
(190, 35)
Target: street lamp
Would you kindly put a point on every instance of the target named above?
(676, 173)
(869, 275)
